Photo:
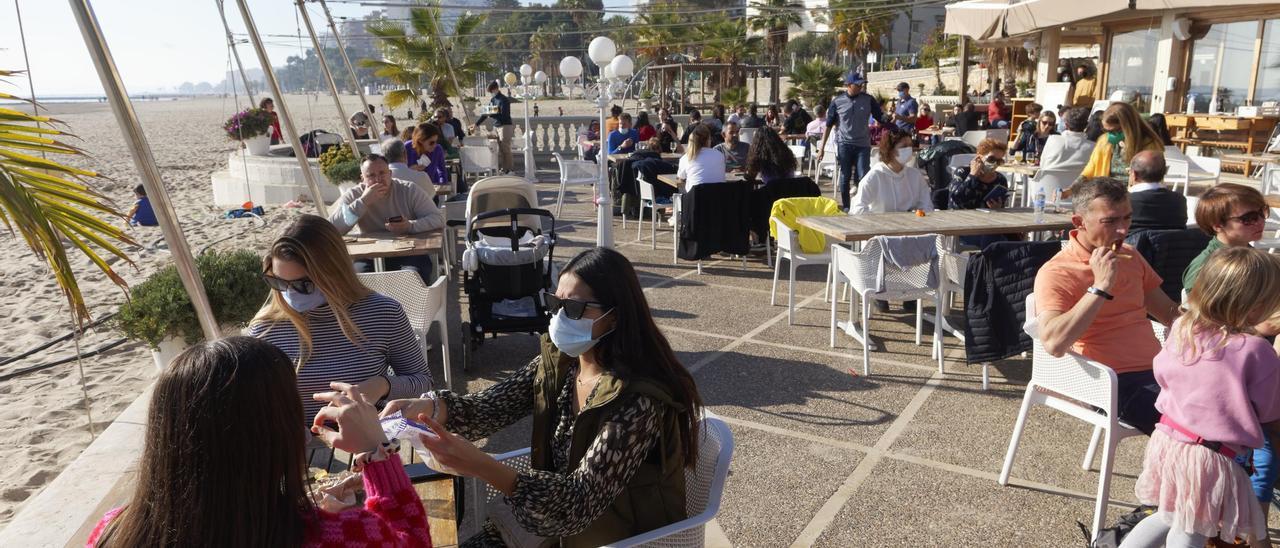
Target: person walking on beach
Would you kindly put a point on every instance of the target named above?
(500, 105)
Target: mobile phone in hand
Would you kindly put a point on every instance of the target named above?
(395, 219)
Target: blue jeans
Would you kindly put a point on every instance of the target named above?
(421, 264)
(1265, 471)
(846, 155)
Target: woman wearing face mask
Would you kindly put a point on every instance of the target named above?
(615, 417)
(1126, 135)
(334, 328)
(972, 186)
(892, 185)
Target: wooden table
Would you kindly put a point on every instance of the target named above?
(1024, 172)
(670, 179)
(668, 156)
(1272, 200)
(1248, 134)
(951, 222)
(437, 494)
(381, 245)
(934, 131)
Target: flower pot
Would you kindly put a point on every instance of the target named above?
(167, 351)
(258, 146)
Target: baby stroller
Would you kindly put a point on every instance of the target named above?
(507, 261)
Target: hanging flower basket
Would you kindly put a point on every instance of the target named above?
(248, 124)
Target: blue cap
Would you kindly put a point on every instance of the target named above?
(854, 77)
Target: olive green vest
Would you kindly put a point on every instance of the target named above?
(655, 495)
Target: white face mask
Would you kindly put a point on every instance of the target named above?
(904, 155)
(573, 337)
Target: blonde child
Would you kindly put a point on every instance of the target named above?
(1219, 394)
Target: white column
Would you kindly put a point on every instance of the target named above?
(1047, 60)
(1169, 67)
(604, 201)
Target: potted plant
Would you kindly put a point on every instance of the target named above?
(253, 128)
(159, 311)
(340, 166)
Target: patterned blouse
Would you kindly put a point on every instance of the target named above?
(563, 501)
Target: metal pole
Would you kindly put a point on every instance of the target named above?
(145, 163)
(231, 43)
(530, 166)
(333, 86)
(337, 38)
(604, 202)
(290, 132)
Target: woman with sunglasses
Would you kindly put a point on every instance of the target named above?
(972, 186)
(334, 328)
(1233, 215)
(615, 418)
(1031, 143)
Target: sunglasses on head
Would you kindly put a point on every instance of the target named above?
(1250, 218)
(302, 285)
(573, 309)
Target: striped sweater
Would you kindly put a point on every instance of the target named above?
(390, 348)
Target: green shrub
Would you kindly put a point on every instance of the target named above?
(159, 307)
(339, 165)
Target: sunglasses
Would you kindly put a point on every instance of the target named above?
(993, 160)
(1250, 218)
(573, 309)
(302, 285)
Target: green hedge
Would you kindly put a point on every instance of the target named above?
(159, 307)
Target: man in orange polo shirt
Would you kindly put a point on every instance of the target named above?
(1094, 297)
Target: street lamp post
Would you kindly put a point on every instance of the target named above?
(531, 83)
(614, 71)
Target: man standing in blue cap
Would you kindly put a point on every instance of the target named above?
(848, 116)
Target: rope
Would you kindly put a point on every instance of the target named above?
(31, 84)
(244, 162)
(302, 53)
(84, 392)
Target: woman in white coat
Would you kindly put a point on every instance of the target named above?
(892, 185)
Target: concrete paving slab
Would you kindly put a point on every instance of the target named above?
(775, 484)
(806, 392)
(903, 504)
(711, 309)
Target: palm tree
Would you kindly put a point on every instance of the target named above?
(726, 41)
(655, 34)
(1012, 61)
(775, 18)
(428, 55)
(814, 80)
(859, 24)
(52, 204)
(937, 47)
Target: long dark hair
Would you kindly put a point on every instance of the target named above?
(225, 461)
(642, 120)
(636, 347)
(769, 155)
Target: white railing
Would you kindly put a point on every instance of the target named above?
(560, 133)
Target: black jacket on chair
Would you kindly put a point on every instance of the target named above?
(1159, 209)
(762, 199)
(1169, 252)
(714, 217)
(996, 286)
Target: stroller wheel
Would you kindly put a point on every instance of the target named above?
(467, 343)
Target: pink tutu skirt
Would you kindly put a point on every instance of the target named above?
(1199, 490)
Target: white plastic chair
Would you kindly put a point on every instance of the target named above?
(859, 269)
(1178, 174)
(798, 152)
(816, 168)
(1082, 388)
(478, 159)
(1051, 180)
(746, 134)
(574, 172)
(789, 249)
(704, 488)
(952, 268)
(425, 306)
(1204, 168)
(961, 160)
(1001, 135)
(974, 136)
(648, 199)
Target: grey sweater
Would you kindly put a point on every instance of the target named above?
(406, 200)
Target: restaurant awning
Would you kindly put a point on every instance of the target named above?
(988, 19)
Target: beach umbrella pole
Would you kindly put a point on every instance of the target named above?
(231, 42)
(291, 132)
(145, 163)
(337, 38)
(333, 86)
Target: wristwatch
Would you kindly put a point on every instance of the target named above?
(1101, 293)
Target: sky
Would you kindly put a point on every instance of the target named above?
(157, 44)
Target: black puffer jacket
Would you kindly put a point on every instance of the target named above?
(1169, 252)
(996, 286)
(714, 217)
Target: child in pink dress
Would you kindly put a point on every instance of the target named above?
(1219, 392)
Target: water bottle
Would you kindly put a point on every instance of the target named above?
(1039, 205)
(1191, 103)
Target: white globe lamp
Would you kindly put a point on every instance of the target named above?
(570, 67)
(539, 77)
(606, 72)
(526, 70)
(621, 66)
(602, 50)
(511, 79)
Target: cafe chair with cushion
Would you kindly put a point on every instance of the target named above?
(425, 306)
(574, 172)
(1082, 388)
(874, 277)
(704, 489)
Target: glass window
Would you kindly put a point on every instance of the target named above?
(1132, 67)
(1221, 63)
(1269, 66)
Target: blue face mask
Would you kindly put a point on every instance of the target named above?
(573, 337)
(303, 302)
(902, 95)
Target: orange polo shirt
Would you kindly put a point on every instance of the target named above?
(1120, 335)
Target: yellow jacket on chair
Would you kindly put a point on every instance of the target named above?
(788, 210)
